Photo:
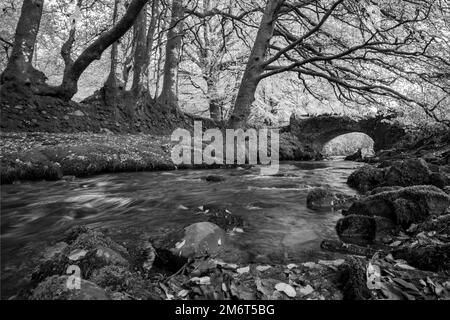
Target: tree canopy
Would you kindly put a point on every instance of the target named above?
(245, 61)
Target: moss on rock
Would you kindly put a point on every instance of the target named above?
(405, 206)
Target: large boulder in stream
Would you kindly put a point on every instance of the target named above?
(404, 206)
(198, 239)
(322, 198)
(373, 217)
(403, 173)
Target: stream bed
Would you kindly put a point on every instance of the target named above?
(277, 224)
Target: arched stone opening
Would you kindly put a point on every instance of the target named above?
(348, 144)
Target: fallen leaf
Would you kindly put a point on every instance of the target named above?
(395, 243)
(263, 268)
(287, 289)
(180, 245)
(306, 290)
(202, 280)
(77, 254)
(243, 270)
(183, 293)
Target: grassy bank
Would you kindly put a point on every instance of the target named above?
(50, 156)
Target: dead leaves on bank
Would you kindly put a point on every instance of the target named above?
(392, 279)
(214, 279)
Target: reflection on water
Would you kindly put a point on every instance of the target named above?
(147, 204)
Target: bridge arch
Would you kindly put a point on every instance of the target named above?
(315, 132)
(348, 144)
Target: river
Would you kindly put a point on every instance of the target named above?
(278, 226)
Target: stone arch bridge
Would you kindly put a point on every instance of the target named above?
(314, 132)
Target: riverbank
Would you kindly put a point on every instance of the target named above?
(196, 268)
(50, 156)
(54, 156)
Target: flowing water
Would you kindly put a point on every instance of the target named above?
(278, 226)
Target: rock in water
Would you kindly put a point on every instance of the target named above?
(404, 173)
(405, 206)
(363, 230)
(214, 178)
(354, 157)
(195, 240)
(321, 198)
(366, 178)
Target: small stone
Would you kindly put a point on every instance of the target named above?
(292, 266)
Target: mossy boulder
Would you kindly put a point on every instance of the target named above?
(366, 178)
(118, 279)
(407, 173)
(57, 288)
(430, 257)
(90, 250)
(363, 230)
(403, 173)
(405, 206)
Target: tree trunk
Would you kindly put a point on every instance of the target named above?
(19, 68)
(254, 68)
(168, 95)
(213, 99)
(140, 53)
(68, 88)
(150, 39)
(111, 85)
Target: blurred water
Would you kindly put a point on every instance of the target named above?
(148, 204)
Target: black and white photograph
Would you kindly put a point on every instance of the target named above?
(225, 157)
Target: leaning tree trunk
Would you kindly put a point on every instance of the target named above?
(168, 95)
(255, 67)
(19, 68)
(68, 88)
